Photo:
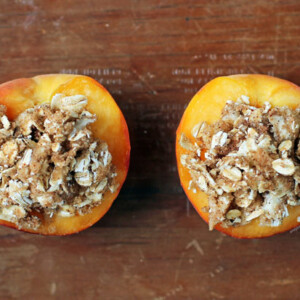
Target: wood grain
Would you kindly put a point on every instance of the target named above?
(152, 56)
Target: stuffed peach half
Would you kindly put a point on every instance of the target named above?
(238, 155)
(64, 153)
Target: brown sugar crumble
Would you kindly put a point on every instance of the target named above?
(50, 163)
(251, 166)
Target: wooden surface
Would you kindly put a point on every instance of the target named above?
(152, 56)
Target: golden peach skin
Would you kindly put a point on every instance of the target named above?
(110, 126)
(207, 105)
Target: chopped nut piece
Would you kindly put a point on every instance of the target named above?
(196, 130)
(26, 158)
(252, 133)
(5, 122)
(267, 107)
(202, 183)
(219, 139)
(243, 99)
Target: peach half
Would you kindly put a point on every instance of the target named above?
(110, 126)
(206, 106)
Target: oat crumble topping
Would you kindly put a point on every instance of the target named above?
(251, 166)
(50, 163)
